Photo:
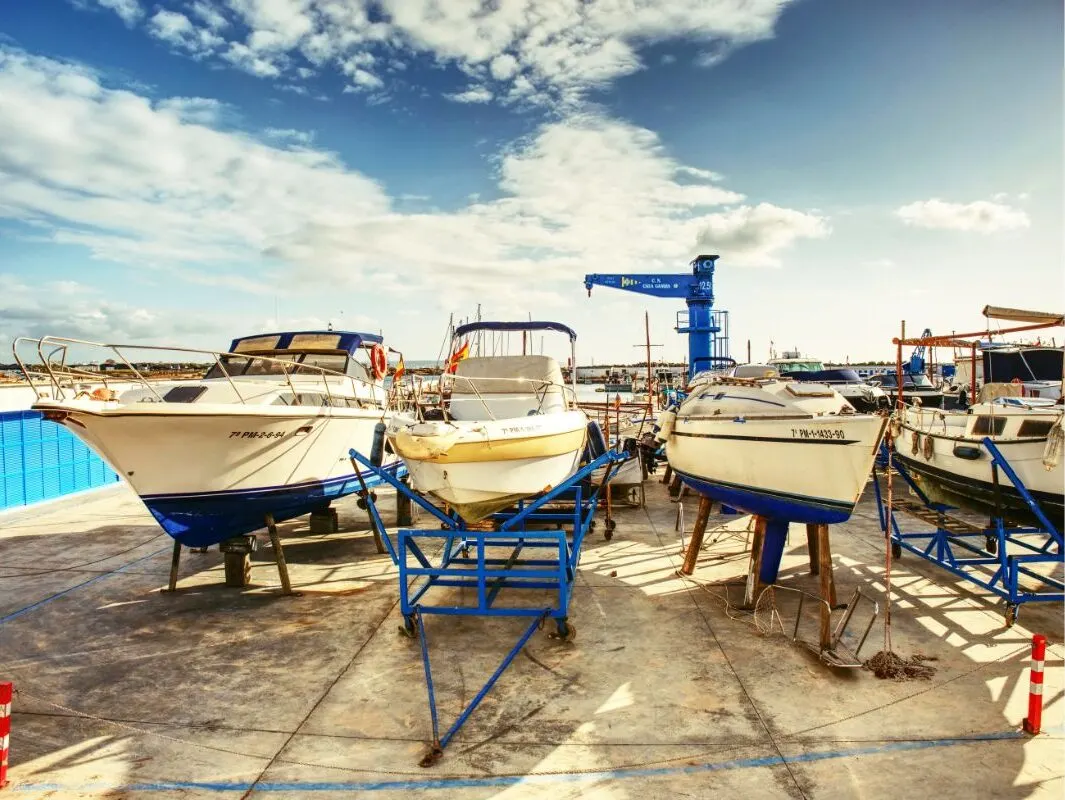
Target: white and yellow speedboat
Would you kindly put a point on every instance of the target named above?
(511, 428)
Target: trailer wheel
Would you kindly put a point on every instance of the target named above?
(1011, 614)
(238, 569)
(896, 550)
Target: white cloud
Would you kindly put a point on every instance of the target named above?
(301, 138)
(980, 216)
(542, 52)
(179, 32)
(129, 10)
(197, 110)
(475, 94)
(158, 185)
(753, 235)
(74, 310)
(209, 15)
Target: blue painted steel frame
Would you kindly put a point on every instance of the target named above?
(941, 543)
(489, 576)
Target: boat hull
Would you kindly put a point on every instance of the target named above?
(810, 470)
(969, 482)
(209, 473)
(479, 468)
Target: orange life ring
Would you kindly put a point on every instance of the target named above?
(378, 362)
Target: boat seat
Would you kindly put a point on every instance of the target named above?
(505, 387)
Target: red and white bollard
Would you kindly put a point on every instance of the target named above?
(5, 729)
(1034, 719)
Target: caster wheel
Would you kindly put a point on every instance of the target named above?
(896, 550)
(611, 525)
(361, 503)
(591, 525)
(608, 535)
(991, 545)
(567, 631)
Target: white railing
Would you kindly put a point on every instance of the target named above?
(63, 378)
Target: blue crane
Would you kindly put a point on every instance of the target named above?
(917, 364)
(707, 329)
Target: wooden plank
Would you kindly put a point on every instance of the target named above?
(754, 568)
(828, 585)
(696, 542)
(811, 546)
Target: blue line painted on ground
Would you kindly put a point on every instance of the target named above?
(49, 599)
(449, 784)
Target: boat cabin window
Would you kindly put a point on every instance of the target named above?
(334, 362)
(988, 426)
(1035, 427)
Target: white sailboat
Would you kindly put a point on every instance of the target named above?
(510, 429)
(266, 430)
(781, 449)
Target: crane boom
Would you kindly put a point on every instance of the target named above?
(706, 347)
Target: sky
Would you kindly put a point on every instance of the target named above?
(187, 171)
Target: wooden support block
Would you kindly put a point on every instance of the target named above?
(754, 568)
(674, 486)
(811, 546)
(668, 476)
(828, 585)
(692, 555)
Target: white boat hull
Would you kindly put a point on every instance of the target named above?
(809, 470)
(209, 472)
(952, 466)
(481, 467)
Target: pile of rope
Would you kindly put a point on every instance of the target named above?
(887, 664)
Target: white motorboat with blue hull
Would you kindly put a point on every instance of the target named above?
(783, 450)
(266, 431)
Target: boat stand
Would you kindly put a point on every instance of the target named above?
(237, 555)
(467, 558)
(950, 544)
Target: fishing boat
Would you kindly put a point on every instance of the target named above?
(266, 430)
(943, 452)
(510, 427)
(781, 449)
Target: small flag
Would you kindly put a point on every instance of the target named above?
(401, 370)
(457, 356)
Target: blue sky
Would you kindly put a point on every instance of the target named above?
(172, 172)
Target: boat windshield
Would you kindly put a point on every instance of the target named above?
(305, 364)
(788, 367)
(888, 379)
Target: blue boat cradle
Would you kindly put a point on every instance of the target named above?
(468, 560)
(1009, 554)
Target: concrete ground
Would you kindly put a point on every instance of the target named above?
(667, 691)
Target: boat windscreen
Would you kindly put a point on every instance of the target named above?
(831, 376)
